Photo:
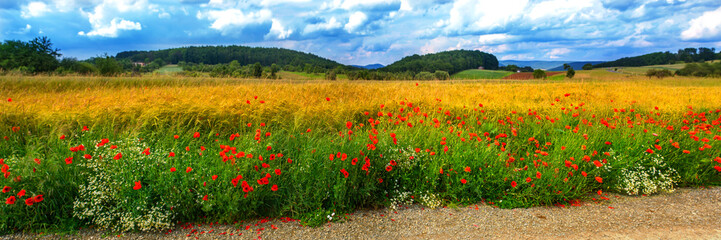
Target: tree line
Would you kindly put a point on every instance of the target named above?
(687, 55)
(448, 61)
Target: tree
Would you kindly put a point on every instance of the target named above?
(273, 70)
(442, 75)
(662, 73)
(424, 76)
(512, 68)
(566, 66)
(587, 66)
(570, 73)
(108, 66)
(257, 70)
(538, 74)
(331, 75)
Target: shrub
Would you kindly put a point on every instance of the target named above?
(659, 73)
(424, 76)
(538, 74)
(442, 75)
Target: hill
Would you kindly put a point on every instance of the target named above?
(575, 65)
(225, 54)
(533, 64)
(660, 58)
(449, 61)
(369, 66)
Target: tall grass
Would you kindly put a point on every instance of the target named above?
(511, 144)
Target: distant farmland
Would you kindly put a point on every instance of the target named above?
(481, 74)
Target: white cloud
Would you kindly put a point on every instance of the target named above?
(34, 9)
(556, 52)
(225, 20)
(111, 30)
(331, 24)
(355, 21)
(278, 31)
(494, 38)
(352, 4)
(107, 18)
(705, 27)
(480, 15)
(280, 2)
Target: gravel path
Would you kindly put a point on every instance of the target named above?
(684, 214)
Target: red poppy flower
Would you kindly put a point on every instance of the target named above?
(380, 180)
(463, 181)
(608, 143)
(10, 99)
(205, 198)
(176, 136)
(21, 193)
(265, 165)
(69, 160)
(118, 156)
(718, 168)
(171, 154)
(6, 189)
(538, 175)
(137, 186)
(87, 156)
(146, 151)
(274, 188)
(528, 179)
(467, 169)
(277, 172)
(344, 172)
(307, 131)
(10, 200)
(393, 162)
(246, 187)
(599, 179)
(584, 173)
(38, 198)
(649, 151)
(513, 184)
(327, 99)
(62, 137)
(389, 168)
(37, 161)
(172, 169)
(29, 201)
(196, 135)
(349, 125)
(187, 170)
(85, 128)
(597, 163)
(214, 177)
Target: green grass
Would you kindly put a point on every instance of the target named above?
(169, 69)
(481, 74)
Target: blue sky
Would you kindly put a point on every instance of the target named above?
(372, 31)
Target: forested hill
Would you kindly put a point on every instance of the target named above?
(449, 61)
(225, 54)
(687, 55)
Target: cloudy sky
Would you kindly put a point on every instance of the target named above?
(372, 31)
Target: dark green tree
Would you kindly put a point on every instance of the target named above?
(257, 70)
(538, 74)
(570, 73)
(587, 66)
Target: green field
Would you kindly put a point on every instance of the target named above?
(169, 69)
(481, 74)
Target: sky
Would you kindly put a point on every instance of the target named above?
(372, 31)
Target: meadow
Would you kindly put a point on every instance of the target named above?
(144, 153)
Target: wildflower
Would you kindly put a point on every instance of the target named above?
(205, 198)
(6, 189)
(538, 175)
(87, 156)
(196, 135)
(389, 168)
(118, 156)
(274, 188)
(38, 198)
(189, 169)
(513, 184)
(528, 179)
(214, 177)
(171, 154)
(599, 179)
(176, 136)
(10, 200)
(29, 201)
(718, 168)
(463, 181)
(137, 185)
(37, 161)
(597, 163)
(85, 128)
(467, 169)
(349, 125)
(146, 151)
(69, 160)
(21, 193)
(172, 169)
(649, 151)
(62, 137)
(277, 172)
(345, 173)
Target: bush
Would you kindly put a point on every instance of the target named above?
(662, 73)
(587, 66)
(108, 66)
(424, 76)
(700, 70)
(442, 75)
(538, 74)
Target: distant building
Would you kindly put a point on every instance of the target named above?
(142, 64)
(480, 68)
